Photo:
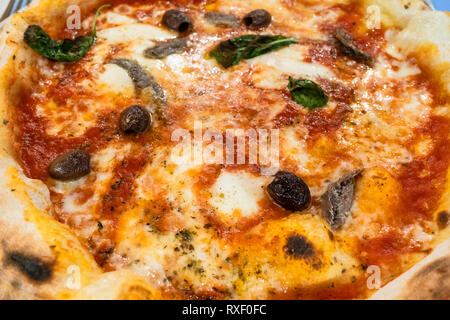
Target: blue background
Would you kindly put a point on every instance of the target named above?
(438, 4)
(442, 4)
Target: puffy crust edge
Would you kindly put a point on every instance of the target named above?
(420, 32)
(427, 280)
(423, 34)
(26, 222)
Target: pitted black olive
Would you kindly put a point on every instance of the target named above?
(289, 191)
(176, 20)
(70, 166)
(257, 19)
(33, 267)
(337, 202)
(135, 119)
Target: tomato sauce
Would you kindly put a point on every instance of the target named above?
(176, 3)
(124, 177)
(321, 121)
(385, 248)
(289, 116)
(423, 179)
(370, 41)
(268, 210)
(318, 121)
(37, 149)
(116, 199)
(325, 53)
(422, 185)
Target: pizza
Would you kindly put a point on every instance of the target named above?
(196, 149)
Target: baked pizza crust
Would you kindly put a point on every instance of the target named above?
(27, 225)
(427, 280)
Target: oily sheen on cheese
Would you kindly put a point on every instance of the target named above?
(202, 230)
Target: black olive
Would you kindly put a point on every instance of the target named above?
(176, 20)
(257, 19)
(32, 267)
(70, 166)
(135, 119)
(289, 191)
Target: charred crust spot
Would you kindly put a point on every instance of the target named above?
(442, 219)
(439, 266)
(431, 282)
(33, 267)
(299, 247)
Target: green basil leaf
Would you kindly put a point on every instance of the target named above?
(307, 93)
(67, 50)
(230, 52)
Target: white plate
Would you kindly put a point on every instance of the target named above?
(9, 7)
(3, 6)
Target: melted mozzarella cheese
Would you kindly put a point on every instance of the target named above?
(118, 19)
(287, 61)
(168, 197)
(130, 32)
(230, 188)
(116, 80)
